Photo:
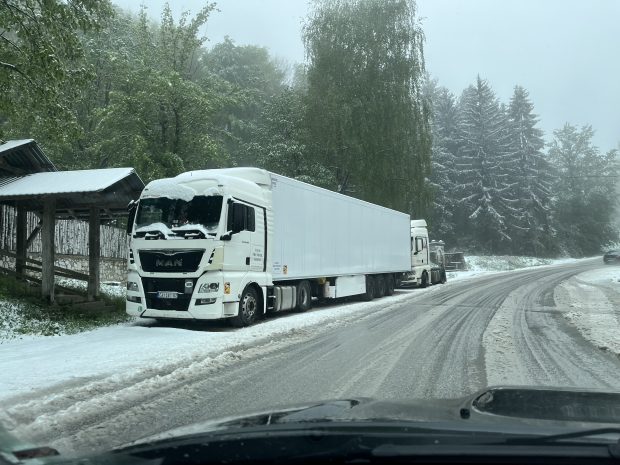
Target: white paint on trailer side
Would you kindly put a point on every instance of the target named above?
(349, 285)
(320, 233)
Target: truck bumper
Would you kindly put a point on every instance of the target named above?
(197, 308)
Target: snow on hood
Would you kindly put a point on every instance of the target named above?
(195, 227)
(161, 227)
(172, 189)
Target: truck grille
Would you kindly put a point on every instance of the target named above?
(153, 285)
(170, 261)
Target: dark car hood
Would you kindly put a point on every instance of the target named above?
(505, 407)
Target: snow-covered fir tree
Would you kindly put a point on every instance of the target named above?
(444, 125)
(531, 225)
(486, 171)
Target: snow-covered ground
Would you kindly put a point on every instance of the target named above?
(592, 301)
(486, 264)
(24, 319)
(141, 347)
(138, 348)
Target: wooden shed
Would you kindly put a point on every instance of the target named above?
(30, 182)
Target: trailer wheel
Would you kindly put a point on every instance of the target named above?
(370, 289)
(379, 286)
(304, 296)
(248, 309)
(424, 282)
(389, 285)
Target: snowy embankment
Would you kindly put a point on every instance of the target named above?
(145, 349)
(27, 318)
(485, 264)
(592, 300)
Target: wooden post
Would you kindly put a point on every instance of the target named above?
(94, 254)
(20, 246)
(47, 249)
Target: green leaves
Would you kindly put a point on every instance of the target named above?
(41, 52)
(585, 190)
(366, 118)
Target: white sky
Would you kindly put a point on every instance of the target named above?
(564, 52)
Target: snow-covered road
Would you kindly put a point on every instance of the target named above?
(522, 327)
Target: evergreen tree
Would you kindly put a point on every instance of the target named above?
(443, 177)
(585, 191)
(531, 225)
(486, 171)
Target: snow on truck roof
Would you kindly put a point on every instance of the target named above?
(246, 182)
(237, 181)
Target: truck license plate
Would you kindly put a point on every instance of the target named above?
(166, 295)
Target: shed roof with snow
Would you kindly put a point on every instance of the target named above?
(27, 176)
(29, 181)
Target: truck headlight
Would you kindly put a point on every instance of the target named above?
(208, 287)
(131, 286)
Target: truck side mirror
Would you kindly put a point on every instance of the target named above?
(132, 207)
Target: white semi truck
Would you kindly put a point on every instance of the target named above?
(240, 242)
(427, 259)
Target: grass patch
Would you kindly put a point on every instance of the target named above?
(22, 312)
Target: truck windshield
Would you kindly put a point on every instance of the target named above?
(201, 210)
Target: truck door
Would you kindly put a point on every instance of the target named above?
(419, 251)
(241, 222)
(259, 240)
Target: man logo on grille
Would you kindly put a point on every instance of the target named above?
(169, 262)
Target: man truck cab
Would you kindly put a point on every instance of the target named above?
(240, 242)
(426, 261)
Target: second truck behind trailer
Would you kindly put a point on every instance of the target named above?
(236, 243)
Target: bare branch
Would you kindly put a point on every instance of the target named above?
(6, 39)
(15, 69)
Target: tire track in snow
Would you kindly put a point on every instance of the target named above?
(428, 344)
(529, 342)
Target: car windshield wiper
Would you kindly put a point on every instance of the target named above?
(369, 444)
(579, 434)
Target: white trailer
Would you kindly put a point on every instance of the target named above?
(237, 243)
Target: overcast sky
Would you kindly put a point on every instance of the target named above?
(564, 52)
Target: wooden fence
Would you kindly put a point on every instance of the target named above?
(71, 237)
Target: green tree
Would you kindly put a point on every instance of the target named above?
(147, 106)
(41, 67)
(278, 141)
(585, 191)
(366, 116)
(252, 80)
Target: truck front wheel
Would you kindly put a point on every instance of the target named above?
(424, 282)
(248, 309)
